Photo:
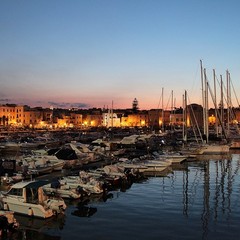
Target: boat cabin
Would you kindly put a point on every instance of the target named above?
(31, 192)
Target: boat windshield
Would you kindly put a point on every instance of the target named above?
(16, 192)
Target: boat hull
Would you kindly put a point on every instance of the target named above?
(33, 210)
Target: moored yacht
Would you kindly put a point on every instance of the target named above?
(28, 198)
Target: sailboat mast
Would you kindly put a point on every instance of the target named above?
(219, 117)
(206, 106)
(203, 99)
(185, 102)
(112, 114)
(162, 113)
(215, 101)
(228, 103)
(221, 105)
(184, 131)
(184, 119)
(171, 110)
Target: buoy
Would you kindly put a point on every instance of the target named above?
(30, 212)
(5, 206)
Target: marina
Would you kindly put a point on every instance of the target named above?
(200, 203)
(109, 126)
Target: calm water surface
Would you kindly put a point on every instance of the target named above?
(202, 202)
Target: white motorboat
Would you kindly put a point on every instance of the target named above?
(43, 163)
(155, 165)
(89, 185)
(64, 191)
(28, 198)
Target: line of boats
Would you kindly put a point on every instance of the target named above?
(45, 198)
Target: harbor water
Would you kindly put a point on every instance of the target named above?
(198, 201)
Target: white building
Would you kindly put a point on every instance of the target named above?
(111, 120)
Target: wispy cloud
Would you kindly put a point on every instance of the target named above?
(40, 103)
(68, 105)
(5, 100)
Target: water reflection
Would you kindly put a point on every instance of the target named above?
(84, 211)
(36, 228)
(214, 179)
(30, 234)
(82, 206)
(41, 225)
(199, 198)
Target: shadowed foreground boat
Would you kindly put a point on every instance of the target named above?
(28, 198)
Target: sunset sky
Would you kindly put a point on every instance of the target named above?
(88, 53)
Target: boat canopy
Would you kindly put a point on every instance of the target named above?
(31, 184)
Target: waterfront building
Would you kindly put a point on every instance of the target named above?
(159, 119)
(155, 116)
(236, 115)
(195, 115)
(11, 114)
(66, 119)
(36, 117)
(24, 116)
(7, 114)
(176, 117)
(76, 119)
(111, 120)
(139, 119)
(193, 118)
(32, 118)
(92, 120)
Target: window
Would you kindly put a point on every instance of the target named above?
(16, 192)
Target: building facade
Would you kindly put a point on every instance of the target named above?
(24, 116)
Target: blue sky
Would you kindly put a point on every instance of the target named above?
(88, 53)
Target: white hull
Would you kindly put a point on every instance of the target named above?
(155, 168)
(28, 198)
(213, 149)
(63, 193)
(74, 182)
(17, 206)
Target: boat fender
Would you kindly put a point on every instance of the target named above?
(5, 206)
(30, 212)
